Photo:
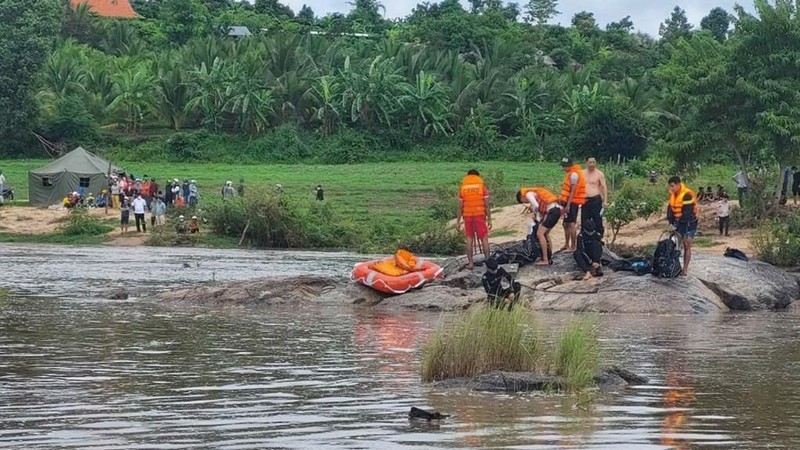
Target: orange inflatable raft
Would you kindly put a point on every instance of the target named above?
(397, 274)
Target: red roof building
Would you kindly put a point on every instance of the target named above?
(117, 9)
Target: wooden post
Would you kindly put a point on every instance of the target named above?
(108, 186)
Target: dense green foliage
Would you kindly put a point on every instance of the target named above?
(490, 82)
(633, 200)
(81, 223)
(778, 241)
(27, 34)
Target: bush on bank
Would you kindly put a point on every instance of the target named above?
(271, 220)
(778, 241)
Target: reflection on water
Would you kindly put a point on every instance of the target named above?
(82, 372)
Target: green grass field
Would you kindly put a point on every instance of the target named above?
(396, 193)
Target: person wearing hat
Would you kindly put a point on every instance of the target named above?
(590, 251)
(573, 196)
(102, 200)
(180, 226)
(500, 286)
(194, 225)
(228, 191)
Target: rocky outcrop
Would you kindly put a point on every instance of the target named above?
(514, 382)
(715, 284)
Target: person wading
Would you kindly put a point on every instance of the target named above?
(547, 211)
(474, 209)
(573, 196)
(682, 215)
(596, 196)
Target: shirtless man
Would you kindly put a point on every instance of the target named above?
(596, 196)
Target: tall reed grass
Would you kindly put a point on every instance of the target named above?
(486, 339)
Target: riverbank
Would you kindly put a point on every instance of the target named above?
(386, 202)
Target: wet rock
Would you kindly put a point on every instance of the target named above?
(434, 297)
(510, 382)
(746, 285)
(714, 284)
(270, 291)
(119, 294)
(513, 382)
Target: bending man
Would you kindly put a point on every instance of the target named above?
(546, 210)
(474, 209)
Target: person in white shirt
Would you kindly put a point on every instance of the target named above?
(139, 206)
(741, 184)
(724, 215)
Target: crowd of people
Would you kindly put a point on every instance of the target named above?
(584, 194)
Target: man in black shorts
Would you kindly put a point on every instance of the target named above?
(573, 196)
(547, 211)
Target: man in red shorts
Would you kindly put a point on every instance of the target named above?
(474, 209)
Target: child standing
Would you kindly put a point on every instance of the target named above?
(724, 215)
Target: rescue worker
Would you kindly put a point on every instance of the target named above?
(475, 213)
(573, 196)
(682, 215)
(544, 205)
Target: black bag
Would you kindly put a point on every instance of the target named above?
(639, 266)
(522, 253)
(667, 259)
(736, 253)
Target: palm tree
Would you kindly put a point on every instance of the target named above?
(324, 96)
(173, 91)
(134, 96)
(426, 103)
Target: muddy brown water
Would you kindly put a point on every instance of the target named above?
(78, 371)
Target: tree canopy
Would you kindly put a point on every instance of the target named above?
(479, 80)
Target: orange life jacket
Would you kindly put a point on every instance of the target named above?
(473, 196)
(676, 202)
(580, 189)
(543, 196)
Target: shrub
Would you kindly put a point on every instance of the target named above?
(81, 223)
(345, 147)
(440, 240)
(778, 241)
(483, 340)
(576, 354)
(445, 207)
(280, 222)
(284, 144)
(633, 200)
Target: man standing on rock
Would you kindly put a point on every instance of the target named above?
(682, 215)
(596, 196)
(474, 209)
(573, 196)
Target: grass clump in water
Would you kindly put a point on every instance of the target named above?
(485, 339)
(577, 354)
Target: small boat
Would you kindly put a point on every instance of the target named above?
(397, 274)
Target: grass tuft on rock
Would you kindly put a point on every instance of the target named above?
(485, 339)
(577, 354)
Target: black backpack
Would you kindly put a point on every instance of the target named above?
(736, 253)
(639, 266)
(667, 259)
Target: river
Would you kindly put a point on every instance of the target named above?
(78, 371)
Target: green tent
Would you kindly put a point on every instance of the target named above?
(78, 171)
